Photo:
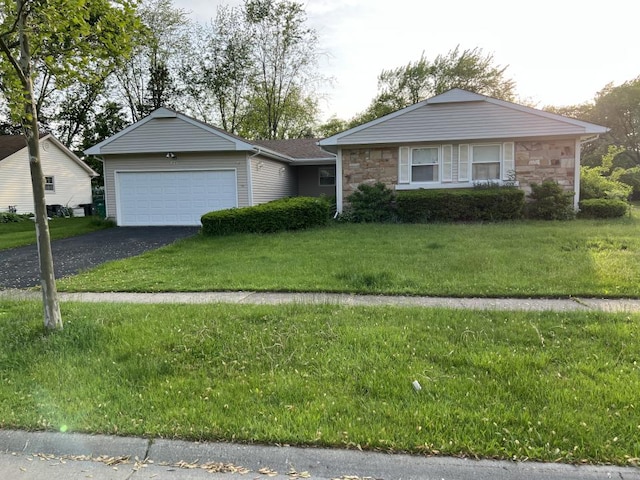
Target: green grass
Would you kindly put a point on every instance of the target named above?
(24, 233)
(515, 385)
(520, 259)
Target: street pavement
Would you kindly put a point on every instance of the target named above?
(52, 456)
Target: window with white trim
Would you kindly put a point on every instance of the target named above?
(327, 176)
(425, 163)
(49, 185)
(485, 162)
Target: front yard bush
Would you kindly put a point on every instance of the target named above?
(371, 203)
(484, 204)
(548, 201)
(9, 217)
(285, 214)
(602, 208)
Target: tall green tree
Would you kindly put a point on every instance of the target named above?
(218, 73)
(149, 79)
(64, 37)
(469, 69)
(618, 107)
(285, 58)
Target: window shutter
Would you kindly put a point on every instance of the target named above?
(508, 161)
(463, 163)
(403, 165)
(447, 163)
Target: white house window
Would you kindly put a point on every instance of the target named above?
(327, 176)
(424, 164)
(49, 185)
(485, 162)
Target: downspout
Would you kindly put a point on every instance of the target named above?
(250, 176)
(576, 179)
(339, 181)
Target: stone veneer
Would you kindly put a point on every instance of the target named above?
(369, 165)
(548, 160)
(535, 162)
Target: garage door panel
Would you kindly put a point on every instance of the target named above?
(173, 198)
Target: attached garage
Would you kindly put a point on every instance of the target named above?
(173, 197)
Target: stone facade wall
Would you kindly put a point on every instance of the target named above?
(369, 165)
(546, 160)
(535, 162)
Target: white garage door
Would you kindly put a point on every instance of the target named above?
(173, 198)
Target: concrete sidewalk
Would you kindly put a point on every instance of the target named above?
(276, 298)
(48, 456)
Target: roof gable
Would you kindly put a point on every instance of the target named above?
(461, 115)
(165, 130)
(11, 144)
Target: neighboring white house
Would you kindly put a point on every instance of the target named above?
(67, 178)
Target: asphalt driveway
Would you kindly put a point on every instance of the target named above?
(19, 266)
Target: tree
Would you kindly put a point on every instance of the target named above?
(218, 74)
(107, 122)
(285, 59)
(63, 37)
(469, 69)
(148, 79)
(619, 109)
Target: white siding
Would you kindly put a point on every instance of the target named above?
(184, 162)
(271, 180)
(459, 121)
(72, 182)
(168, 135)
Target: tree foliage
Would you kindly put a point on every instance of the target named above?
(54, 44)
(254, 70)
(469, 69)
(148, 80)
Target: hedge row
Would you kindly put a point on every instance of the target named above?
(285, 214)
(480, 204)
(602, 208)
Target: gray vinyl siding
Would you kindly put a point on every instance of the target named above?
(168, 135)
(270, 181)
(186, 161)
(460, 121)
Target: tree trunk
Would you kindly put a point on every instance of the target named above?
(52, 316)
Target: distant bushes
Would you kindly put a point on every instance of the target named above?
(478, 204)
(9, 217)
(285, 214)
(602, 208)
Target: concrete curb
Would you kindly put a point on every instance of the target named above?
(290, 462)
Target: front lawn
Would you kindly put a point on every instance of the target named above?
(519, 259)
(24, 233)
(515, 385)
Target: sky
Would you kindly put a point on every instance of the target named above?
(558, 52)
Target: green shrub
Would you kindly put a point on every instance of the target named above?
(9, 217)
(593, 184)
(602, 208)
(485, 204)
(371, 203)
(631, 177)
(548, 201)
(284, 214)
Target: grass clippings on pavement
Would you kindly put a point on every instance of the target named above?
(543, 386)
